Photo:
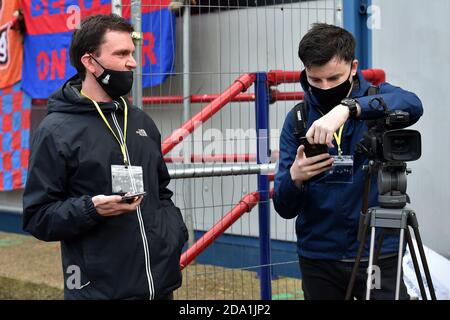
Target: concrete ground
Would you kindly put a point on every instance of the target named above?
(31, 269)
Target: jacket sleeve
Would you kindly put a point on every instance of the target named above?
(395, 98)
(48, 214)
(287, 198)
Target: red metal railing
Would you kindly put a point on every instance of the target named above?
(196, 98)
(247, 203)
(203, 98)
(276, 77)
(240, 85)
(245, 157)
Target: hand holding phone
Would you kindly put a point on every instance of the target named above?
(129, 198)
(312, 150)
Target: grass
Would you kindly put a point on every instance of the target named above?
(13, 289)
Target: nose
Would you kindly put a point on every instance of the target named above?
(131, 63)
(325, 85)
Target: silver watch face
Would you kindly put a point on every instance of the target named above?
(348, 101)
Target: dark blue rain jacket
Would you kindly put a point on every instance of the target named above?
(328, 213)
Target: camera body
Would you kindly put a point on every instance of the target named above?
(384, 142)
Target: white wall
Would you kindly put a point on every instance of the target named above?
(413, 46)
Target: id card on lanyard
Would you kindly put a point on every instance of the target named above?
(342, 169)
(125, 178)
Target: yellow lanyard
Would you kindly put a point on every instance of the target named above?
(337, 137)
(122, 144)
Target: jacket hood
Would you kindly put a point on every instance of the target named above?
(359, 89)
(68, 99)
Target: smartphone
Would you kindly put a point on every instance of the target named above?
(129, 198)
(312, 150)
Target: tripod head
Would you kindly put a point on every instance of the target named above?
(392, 183)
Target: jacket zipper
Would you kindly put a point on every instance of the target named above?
(138, 213)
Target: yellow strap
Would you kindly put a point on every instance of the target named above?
(125, 120)
(337, 137)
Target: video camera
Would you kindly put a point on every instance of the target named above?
(389, 146)
(385, 142)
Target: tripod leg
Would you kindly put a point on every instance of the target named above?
(362, 229)
(416, 265)
(399, 263)
(351, 283)
(379, 244)
(424, 259)
(370, 267)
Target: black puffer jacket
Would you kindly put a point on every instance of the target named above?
(133, 255)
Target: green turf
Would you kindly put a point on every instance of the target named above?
(12, 289)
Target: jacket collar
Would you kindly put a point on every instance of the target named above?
(68, 99)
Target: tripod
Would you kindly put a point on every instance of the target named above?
(392, 214)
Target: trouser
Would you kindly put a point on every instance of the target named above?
(328, 280)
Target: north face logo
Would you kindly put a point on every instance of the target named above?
(141, 132)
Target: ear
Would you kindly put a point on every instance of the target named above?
(355, 64)
(87, 62)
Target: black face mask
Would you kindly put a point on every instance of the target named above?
(115, 83)
(330, 98)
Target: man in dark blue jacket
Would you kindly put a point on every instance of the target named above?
(328, 213)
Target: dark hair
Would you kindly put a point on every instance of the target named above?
(324, 42)
(90, 35)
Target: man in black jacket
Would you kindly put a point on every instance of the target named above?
(90, 149)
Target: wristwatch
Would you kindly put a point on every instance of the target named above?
(351, 105)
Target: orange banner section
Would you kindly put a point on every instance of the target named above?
(11, 47)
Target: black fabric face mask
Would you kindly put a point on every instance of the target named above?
(115, 83)
(330, 98)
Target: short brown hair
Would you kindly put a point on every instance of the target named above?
(324, 42)
(89, 37)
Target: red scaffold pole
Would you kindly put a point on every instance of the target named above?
(247, 203)
(240, 85)
(196, 98)
(245, 157)
(276, 77)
